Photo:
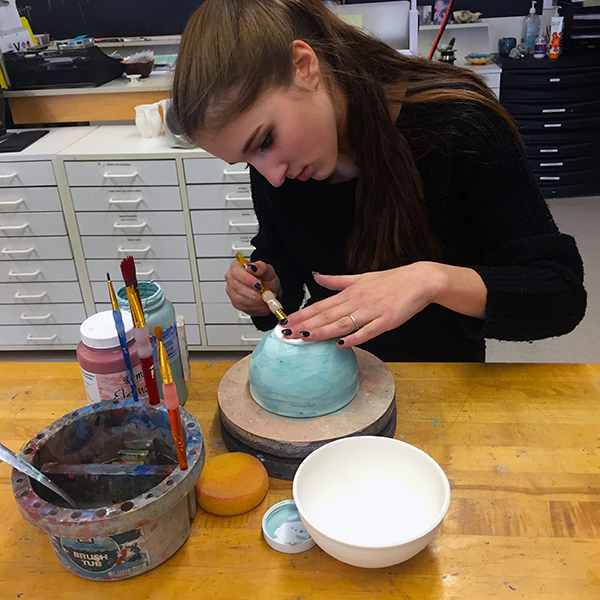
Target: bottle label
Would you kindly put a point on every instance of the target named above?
(170, 342)
(112, 386)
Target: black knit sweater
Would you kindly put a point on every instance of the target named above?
(485, 210)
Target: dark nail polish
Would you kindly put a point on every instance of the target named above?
(287, 332)
(305, 333)
(253, 268)
(283, 322)
(340, 342)
(315, 273)
(258, 286)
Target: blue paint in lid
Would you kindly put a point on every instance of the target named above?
(283, 529)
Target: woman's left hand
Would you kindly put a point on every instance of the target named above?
(383, 300)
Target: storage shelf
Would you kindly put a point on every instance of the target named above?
(454, 26)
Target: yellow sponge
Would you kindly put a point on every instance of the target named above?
(232, 484)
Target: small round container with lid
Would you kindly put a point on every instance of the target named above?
(283, 529)
(159, 312)
(101, 359)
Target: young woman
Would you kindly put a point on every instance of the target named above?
(395, 190)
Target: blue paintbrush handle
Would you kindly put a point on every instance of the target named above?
(125, 349)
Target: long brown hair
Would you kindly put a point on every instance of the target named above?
(232, 51)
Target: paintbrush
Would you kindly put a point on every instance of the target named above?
(122, 337)
(14, 460)
(268, 296)
(171, 400)
(141, 333)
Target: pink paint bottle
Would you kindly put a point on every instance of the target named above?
(101, 360)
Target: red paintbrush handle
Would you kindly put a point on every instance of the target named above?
(150, 379)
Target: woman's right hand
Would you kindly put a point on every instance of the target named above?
(241, 286)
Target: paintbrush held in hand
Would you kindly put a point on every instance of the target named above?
(122, 338)
(141, 333)
(171, 400)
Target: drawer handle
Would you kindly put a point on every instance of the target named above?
(244, 316)
(548, 150)
(11, 202)
(556, 164)
(14, 227)
(129, 250)
(9, 251)
(249, 339)
(117, 201)
(242, 172)
(238, 198)
(553, 125)
(554, 80)
(35, 317)
(138, 226)
(33, 338)
(145, 273)
(108, 175)
(20, 296)
(234, 224)
(549, 178)
(8, 176)
(554, 110)
(11, 273)
(242, 248)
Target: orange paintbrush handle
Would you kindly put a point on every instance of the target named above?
(172, 404)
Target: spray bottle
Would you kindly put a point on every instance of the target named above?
(531, 27)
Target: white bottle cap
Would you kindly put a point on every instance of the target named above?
(100, 331)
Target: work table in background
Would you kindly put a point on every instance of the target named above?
(519, 443)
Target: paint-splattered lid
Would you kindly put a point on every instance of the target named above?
(100, 331)
(283, 529)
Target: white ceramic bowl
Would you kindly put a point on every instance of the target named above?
(371, 501)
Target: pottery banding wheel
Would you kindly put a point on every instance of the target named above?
(248, 425)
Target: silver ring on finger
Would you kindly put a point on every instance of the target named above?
(355, 324)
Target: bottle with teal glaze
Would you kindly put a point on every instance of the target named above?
(159, 312)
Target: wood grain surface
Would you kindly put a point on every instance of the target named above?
(519, 443)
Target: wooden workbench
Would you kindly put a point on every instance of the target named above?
(519, 443)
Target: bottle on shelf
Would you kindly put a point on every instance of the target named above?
(539, 49)
(531, 27)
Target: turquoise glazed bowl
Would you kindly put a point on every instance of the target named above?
(294, 378)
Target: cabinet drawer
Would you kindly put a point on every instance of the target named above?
(188, 311)
(223, 245)
(18, 199)
(564, 164)
(43, 292)
(31, 248)
(551, 79)
(214, 292)
(233, 335)
(547, 148)
(26, 173)
(38, 336)
(125, 173)
(214, 170)
(548, 107)
(41, 314)
(12, 271)
(214, 269)
(565, 178)
(126, 198)
(527, 93)
(558, 124)
(224, 221)
(141, 248)
(216, 313)
(134, 222)
(32, 224)
(175, 291)
(158, 270)
(226, 195)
